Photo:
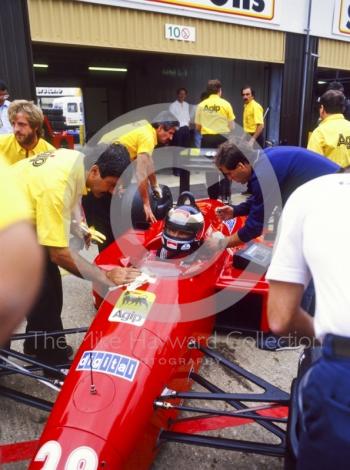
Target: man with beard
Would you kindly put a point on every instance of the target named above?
(27, 121)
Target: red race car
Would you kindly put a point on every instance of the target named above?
(143, 351)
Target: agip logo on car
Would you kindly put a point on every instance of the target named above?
(132, 307)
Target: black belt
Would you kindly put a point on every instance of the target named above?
(340, 345)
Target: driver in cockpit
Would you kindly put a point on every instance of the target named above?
(183, 229)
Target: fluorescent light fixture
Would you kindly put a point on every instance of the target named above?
(321, 82)
(40, 66)
(108, 69)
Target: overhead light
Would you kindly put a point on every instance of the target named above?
(108, 69)
(321, 82)
(40, 66)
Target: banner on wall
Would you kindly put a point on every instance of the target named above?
(242, 11)
(329, 18)
(257, 9)
(341, 18)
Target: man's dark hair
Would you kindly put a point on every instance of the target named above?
(335, 86)
(229, 155)
(3, 85)
(112, 160)
(333, 101)
(250, 88)
(165, 119)
(181, 89)
(214, 86)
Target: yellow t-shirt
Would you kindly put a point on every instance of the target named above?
(332, 139)
(53, 183)
(13, 152)
(13, 205)
(253, 115)
(213, 115)
(140, 140)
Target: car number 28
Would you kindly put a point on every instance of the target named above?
(81, 458)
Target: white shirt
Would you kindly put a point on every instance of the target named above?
(5, 126)
(314, 236)
(181, 111)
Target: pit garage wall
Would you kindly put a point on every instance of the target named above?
(178, 63)
(84, 24)
(16, 65)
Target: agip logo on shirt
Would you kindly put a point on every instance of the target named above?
(132, 307)
(212, 109)
(40, 159)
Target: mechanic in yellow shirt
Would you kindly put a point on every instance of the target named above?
(253, 116)
(21, 258)
(27, 121)
(332, 137)
(140, 144)
(53, 183)
(214, 119)
(140, 139)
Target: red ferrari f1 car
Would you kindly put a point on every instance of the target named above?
(133, 373)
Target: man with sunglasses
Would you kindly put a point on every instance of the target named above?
(5, 126)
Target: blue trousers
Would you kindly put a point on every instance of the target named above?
(324, 401)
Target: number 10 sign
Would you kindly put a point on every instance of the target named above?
(180, 33)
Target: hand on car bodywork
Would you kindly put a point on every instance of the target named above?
(121, 275)
(224, 213)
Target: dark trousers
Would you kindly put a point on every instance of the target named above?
(182, 137)
(45, 316)
(217, 184)
(324, 395)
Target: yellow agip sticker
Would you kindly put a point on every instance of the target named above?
(132, 307)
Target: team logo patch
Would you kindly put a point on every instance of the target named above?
(40, 159)
(230, 223)
(117, 365)
(132, 307)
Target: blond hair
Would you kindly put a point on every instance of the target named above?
(34, 114)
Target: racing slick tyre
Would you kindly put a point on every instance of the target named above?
(159, 206)
(307, 358)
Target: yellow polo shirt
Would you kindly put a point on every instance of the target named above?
(332, 139)
(253, 115)
(13, 205)
(13, 152)
(140, 140)
(213, 115)
(53, 183)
